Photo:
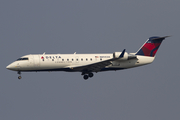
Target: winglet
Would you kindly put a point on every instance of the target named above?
(122, 54)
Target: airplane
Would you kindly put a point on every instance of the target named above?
(88, 64)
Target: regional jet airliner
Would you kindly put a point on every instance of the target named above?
(88, 64)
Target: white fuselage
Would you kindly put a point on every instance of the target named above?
(87, 64)
(66, 62)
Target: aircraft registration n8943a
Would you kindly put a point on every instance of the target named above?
(87, 64)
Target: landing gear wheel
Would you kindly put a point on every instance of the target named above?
(91, 74)
(19, 77)
(85, 77)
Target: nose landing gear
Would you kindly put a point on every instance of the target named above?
(19, 77)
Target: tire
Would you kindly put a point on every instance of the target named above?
(85, 77)
(91, 74)
(19, 77)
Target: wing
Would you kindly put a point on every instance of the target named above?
(95, 67)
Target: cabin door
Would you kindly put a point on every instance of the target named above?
(36, 60)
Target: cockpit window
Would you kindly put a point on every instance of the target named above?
(22, 59)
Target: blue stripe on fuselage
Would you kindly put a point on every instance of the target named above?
(72, 70)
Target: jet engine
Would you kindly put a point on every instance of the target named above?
(125, 57)
(117, 55)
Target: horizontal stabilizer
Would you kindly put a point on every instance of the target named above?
(160, 38)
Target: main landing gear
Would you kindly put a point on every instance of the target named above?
(86, 76)
(19, 77)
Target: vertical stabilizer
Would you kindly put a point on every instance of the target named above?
(150, 47)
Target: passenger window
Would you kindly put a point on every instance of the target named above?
(86, 59)
(72, 59)
(67, 59)
(62, 59)
(91, 59)
(81, 59)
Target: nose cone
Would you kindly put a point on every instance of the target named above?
(9, 67)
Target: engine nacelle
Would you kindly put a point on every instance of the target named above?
(117, 54)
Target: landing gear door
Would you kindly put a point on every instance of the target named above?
(36, 60)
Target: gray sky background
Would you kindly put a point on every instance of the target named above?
(96, 26)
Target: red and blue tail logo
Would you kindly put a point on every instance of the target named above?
(151, 46)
